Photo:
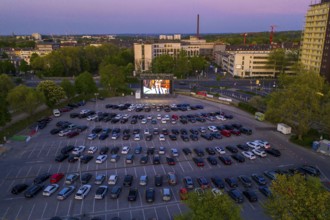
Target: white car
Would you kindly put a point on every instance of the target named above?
(220, 150)
(149, 117)
(220, 117)
(202, 129)
(56, 113)
(143, 180)
(113, 179)
(64, 132)
(115, 136)
(212, 128)
(125, 150)
(216, 192)
(161, 137)
(259, 152)
(144, 121)
(164, 121)
(146, 131)
(262, 143)
(249, 154)
(92, 117)
(78, 150)
(173, 121)
(83, 191)
(126, 116)
(253, 144)
(92, 149)
(137, 137)
(50, 189)
(159, 116)
(92, 136)
(101, 158)
(174, 152)
(162, 150)
(167, 117)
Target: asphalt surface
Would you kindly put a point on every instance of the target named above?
(26, 160)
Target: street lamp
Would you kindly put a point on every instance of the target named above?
(96, 94)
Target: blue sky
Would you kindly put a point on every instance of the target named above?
(149, 16)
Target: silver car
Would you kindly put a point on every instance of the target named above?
(65, 192)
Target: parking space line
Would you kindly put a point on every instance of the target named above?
(163, 169)
(168, 213)
(28, 172)
(135, 172)
(69, 208)
(178, 205)
(252, 206)
(18, 172)
(4, 215)
(156, 213)
(41, 150)
(144, 217)
(58, 204)
(31, 210)
(31, 153)
(19, 211)
(43, 212)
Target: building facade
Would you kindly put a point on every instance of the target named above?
(315, 49)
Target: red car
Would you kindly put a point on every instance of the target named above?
(183, 194)
(235, 132)
(170, 161)
(72, 134)
(56, 177)
(225, 133)
(198, 161)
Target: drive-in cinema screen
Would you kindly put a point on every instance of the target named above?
(156, 86)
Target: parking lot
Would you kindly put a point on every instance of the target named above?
(27, 160)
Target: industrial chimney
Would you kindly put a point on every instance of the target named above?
(197, 34)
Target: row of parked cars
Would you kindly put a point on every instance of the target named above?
(158, 107)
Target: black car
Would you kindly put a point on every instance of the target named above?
(216, 135)
(245, 180)
(33, 190)
(232, 182)
(207, 137)
(212, 160)
(55, 131)
(172, 137)
(74, 115)
(86, 158)
(72, 158)
(236, 195)
(199, 161)
(150, 150)
(243, 147)
(156, 159)
(115, 192)
(238, 157)
(194, 137)
(186, 151)
(225, 160)
(158, 180)
(199, 152)
(97, 130)
(274, 152)
(126, 136)
(19, 188)
(259, 179)
(185, 138)
(81, 128)
(41, 178)
(170, 160)
(218, 182)
(67, 149)
(85, 178)
(132, 194)
(311, 170)
(210, 150)
(175, 131)
(128, 180)
(144, 159)
(246, 131)
(149, 137)
(114, 150)
(104, 150)
(250, 195)
(61, 157)
(232, 149)
(150, 195)
(103, 136)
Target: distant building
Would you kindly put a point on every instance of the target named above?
(45, 48)
(170, 37)
(36, 36)
(206, 49)
(144, 53)
(315, 49)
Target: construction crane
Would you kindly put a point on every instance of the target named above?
(244, 36)
(272, 33)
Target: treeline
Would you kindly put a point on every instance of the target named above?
(71, 61)
(16, 43)
(255, 38)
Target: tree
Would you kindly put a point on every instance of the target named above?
(182, 65)
(24, 67)
(7, 67)
(163, 64)
(68, 88)
(198, 64)
(53, 93)
(24, 99)
(258, 102)
(297, 102)
(281, 60)
(4, 113)
(210, 207)
(85, 84)
(6, 84)
(298, 197)
(112, 77)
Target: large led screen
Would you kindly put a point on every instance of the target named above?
(156, 86)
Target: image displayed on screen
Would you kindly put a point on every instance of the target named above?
(156, 86)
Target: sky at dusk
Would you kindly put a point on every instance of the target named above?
(149, 16)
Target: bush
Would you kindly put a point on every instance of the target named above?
(246, 107)
(307, 140)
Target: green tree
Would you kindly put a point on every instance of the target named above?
(258, 102)
(53, 93)
(182, 65)
(297, 198)
(297, 102)
(282, 60)
(210, 207)
(85, 84)
(68, 88)
(112, 77)
(7, 67)
(4, 112)
(24, 66)
(6, 84)
(24, 99)
(163, 64)
(198, 64)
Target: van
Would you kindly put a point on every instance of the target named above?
(166, 194)
(56, 113)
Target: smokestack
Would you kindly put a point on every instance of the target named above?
(197, 34)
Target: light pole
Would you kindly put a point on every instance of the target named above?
(79, 168)
(96, 94)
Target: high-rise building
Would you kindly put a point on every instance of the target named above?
(315, 49)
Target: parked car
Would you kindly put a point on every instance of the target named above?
(274, 152)
(250, 195)
(65, 192)
(232, 182)
(19, 188)
(259, 179)
(132, 194)
(198, 161)
(150, 195)
(56, 177)
(115, 192)
(41, 178)
(218, 182)
(83, 191)
(236, 195)
(245, 180)
(128, 180)
(85, 178)
(225, 160)
(101, 191)
(99, 178)
(33, 190)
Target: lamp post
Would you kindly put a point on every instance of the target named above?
(96, 94)
(79, 168)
